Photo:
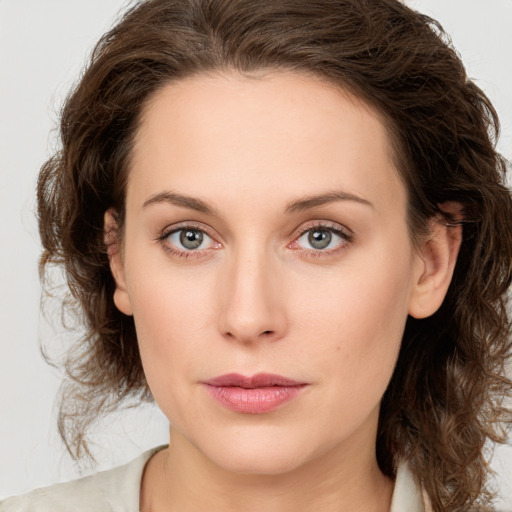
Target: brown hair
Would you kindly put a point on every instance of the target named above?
(446, 397)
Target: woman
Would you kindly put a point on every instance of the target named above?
(285, 222)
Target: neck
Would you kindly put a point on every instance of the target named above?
(343, 480)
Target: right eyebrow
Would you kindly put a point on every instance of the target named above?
(181, 200)
(319, 200)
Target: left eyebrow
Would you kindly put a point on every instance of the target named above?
(319, 200)
(192, 203)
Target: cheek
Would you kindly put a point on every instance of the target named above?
(174, 321)
(359, 318)
(166, 314)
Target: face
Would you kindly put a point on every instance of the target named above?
(267, 262)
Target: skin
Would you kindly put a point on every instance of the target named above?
(258, 297)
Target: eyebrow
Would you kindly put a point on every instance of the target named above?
(181, 200)
(299, 205)
(309, 202)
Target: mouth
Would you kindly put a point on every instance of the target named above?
(258, 394)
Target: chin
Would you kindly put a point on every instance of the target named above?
(259, 462)
(264, 452)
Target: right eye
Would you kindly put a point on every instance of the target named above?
(321, 239)
(189, 239)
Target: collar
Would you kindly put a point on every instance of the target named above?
(408, 495)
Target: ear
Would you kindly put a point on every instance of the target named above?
(115, 256)
(436, 258)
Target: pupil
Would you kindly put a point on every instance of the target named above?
(191, 239)
(320, 239)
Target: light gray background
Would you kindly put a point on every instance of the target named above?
(43, 45)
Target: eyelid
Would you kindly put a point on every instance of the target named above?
(181, 226)
(327, 225)
(186, 224)
(345, 233)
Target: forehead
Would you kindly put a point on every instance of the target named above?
(291, 131)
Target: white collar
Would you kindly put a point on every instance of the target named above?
(408, 496)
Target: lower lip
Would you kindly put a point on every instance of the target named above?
(254, 400)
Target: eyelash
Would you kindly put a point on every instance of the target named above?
(345, 235)
(183, 253)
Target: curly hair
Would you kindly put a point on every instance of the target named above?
(448, 393)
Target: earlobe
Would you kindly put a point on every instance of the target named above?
(436, 259)
(112, 243)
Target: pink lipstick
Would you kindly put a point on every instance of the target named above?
(258, 394)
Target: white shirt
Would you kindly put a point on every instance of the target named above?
(118, 489)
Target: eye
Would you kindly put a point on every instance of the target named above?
(318, 238)
(322, 238)
(189, 239)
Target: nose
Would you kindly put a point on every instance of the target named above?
(252, 301)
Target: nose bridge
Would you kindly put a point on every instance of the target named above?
(252, 307)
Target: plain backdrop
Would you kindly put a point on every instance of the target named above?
(43, 46)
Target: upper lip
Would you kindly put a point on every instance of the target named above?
(260, 380)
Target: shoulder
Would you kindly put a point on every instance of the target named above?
(108, 491)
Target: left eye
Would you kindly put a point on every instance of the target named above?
(320, 239)
(189, 239)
